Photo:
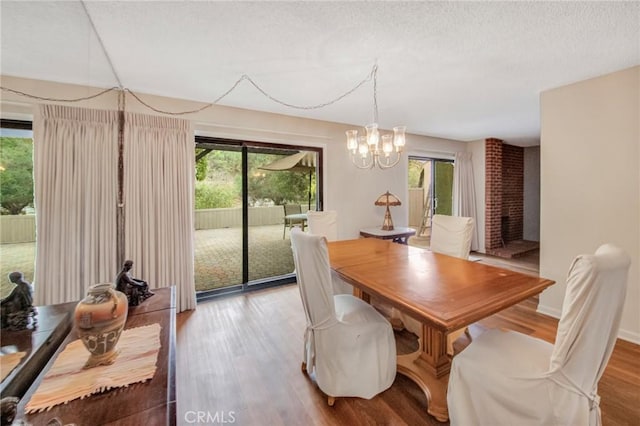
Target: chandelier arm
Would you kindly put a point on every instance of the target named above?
(364, 166)
(388, 166)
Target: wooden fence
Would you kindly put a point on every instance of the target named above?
(17, 228)
(416, 205)
(22, 228)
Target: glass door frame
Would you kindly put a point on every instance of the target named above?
(247, 147)
(432, 179)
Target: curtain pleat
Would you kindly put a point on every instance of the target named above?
(159, 202)
(75, 170)
(464, 196)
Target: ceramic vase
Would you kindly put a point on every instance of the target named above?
(98, 321)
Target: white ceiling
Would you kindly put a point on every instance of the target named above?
(459, 70)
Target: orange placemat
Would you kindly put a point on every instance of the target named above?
(8, 362)
(67, 380)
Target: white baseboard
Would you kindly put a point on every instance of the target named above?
(629, 336)
(547, 310)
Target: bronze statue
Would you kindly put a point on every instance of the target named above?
(8, 410)
(17, 307)
(137, 290)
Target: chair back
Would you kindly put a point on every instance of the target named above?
(591, 313)
(292, 209)
(323, 223)
(451, 235)
(313, 272)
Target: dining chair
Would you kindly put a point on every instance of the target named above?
(290, 209)
(509, 378)
(348, 345)
(325, 223)
(450, 235)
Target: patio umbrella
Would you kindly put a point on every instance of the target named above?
(303, 161)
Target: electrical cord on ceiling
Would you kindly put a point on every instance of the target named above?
(104, 50)
(369, 77)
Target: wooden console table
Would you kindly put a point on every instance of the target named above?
(152, 402)
(54, 323)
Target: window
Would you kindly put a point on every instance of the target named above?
(17, 218)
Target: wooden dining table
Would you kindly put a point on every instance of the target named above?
(444, 293)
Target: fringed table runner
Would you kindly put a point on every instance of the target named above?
(8, 362)
(67, 380)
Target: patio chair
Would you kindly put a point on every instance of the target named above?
(347, 344)
(510, 378)
(292, 209)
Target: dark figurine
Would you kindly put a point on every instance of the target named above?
(137, 291)
(17, 307)
(8, 410)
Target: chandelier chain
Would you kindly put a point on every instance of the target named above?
(374, 72)
(43, 98)
(369, 77)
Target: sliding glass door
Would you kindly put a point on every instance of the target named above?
(218, 217)
(242, 189)
(430, 191)
(18, 220)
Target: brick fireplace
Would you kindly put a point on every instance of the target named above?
(504, 210)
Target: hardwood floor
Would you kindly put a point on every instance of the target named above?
(238, 361)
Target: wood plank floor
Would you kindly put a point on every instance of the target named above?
(238, 361)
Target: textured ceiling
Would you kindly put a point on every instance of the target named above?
(460, 70)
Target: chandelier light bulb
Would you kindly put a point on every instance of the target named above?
(363, 147)
(373, 136)
(387, 144)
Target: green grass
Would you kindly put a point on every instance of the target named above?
(15, 257)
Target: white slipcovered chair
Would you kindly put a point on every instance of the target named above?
(450, 235)
(348, 345)
(325, 223)
(508, 378)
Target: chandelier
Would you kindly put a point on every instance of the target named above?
(370, 149)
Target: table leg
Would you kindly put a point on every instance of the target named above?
(429, 368)
(361, 294)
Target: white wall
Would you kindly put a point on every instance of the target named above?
(531, 226)
(348, 190)
(590, 182)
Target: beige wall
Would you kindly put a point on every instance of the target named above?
(590, 181)
(348, 190)
(531, 216)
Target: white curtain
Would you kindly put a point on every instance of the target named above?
(159, 169)
(75, 170)
(464, 196)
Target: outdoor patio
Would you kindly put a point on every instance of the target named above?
(218, 257)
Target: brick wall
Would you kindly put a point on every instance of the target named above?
(504, 194)
(493, 193)
(513, 190)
